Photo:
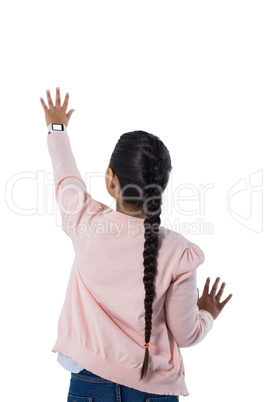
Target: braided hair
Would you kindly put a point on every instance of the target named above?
(142, 164)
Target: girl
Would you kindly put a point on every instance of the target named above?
(131, 303)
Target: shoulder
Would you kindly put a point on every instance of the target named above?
(184, 254)
(174, 238)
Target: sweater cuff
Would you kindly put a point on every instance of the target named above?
(208, 317)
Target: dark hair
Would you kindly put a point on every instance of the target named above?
(142, 164)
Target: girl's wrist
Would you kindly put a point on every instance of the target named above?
(57, 128)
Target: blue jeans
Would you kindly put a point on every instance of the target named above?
(88, 387)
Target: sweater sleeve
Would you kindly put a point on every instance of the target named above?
(70, 189)
(187, 324)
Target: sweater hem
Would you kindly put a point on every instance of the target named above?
(118, 372)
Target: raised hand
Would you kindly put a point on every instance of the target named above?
(57, 113)
(210, 301)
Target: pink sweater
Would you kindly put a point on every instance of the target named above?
(101, 325)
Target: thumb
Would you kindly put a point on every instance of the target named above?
(69, 114)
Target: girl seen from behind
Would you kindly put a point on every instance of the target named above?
(131, 303)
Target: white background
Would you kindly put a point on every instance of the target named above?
(195, 74)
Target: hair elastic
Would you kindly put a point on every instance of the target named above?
(146, 345)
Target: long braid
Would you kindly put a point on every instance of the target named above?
(141, 161)
(152, 196)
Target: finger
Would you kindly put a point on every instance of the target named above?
(214, 287)
(219, 295)
(50, 103)
(44, 105)
(58, 97)
(65, 103)
(225, 301)
(69, 114)
(206, 287)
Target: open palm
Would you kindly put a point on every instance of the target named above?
(210, 301)
(57, 113)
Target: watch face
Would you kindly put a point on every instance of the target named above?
(57, 127)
